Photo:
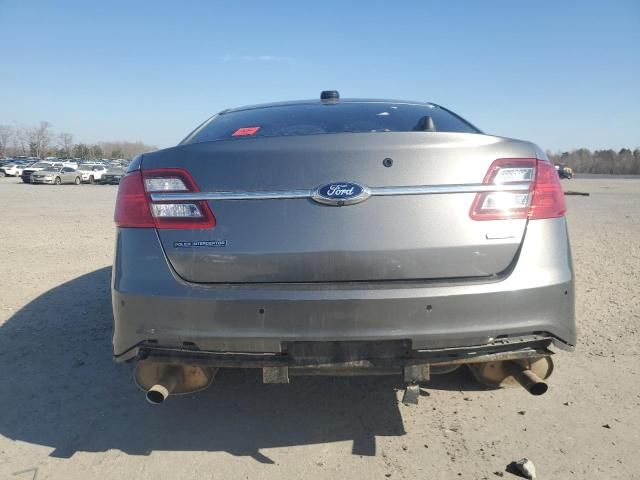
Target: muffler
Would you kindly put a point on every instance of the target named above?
(528, 373)
(160, 379)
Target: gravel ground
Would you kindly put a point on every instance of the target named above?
(69, 412)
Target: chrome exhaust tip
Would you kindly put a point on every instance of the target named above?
(159, 380)
(169, 379)
(157, 394)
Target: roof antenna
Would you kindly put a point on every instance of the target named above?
(425, 124)
(329, 96)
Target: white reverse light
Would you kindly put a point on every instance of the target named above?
(165, 184)
(514, 174)
(176, 210)
(505, 201)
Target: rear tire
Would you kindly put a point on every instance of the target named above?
(57, 181)
(77, 181)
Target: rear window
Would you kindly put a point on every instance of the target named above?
(315, 119)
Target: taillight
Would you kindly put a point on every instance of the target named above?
(134, 207)
(548, 196)
(543, 198)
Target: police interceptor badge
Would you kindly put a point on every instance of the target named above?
(201, 243)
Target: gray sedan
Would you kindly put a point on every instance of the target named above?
(56, 176)
(341, 237)
(112, 176)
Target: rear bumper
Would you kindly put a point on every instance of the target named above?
(155, 309)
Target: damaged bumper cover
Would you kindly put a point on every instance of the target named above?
(526, 309)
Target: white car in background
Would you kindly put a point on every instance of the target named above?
(91, 173)
(68, 163)
(13, 169)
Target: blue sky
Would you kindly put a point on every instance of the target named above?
(563, 74)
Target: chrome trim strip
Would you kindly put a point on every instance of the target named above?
(240, 195)
(375, 192)
(442, 189)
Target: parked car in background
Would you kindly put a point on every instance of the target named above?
(8, 168)
(13, 169)
(10, 162)
(91, 173)
(341, 237)
(6, 161)
(36, 167)
(56, 175)
(564, 171)
(113, 176)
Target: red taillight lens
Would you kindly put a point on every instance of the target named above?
(548, 196)
(543, 199)
(134, 207)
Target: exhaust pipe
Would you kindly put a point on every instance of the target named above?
(531, 382)
(167, 382)
(159, 379)
(530, 374)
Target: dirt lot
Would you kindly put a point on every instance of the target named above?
(69, 412)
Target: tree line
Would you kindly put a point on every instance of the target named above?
(583, 160)
(41, 141)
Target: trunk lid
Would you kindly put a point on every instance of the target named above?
(405, 237)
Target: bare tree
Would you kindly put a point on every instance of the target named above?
(80, 150)
(6, 133)
(125, 149)
(65, 143)
(20, 141)
(43, 139)
(96, 151)
(38, 139)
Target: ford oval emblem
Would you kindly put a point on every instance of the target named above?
(341, 193)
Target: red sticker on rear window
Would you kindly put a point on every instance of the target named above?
(245, 131)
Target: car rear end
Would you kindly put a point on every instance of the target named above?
(43, 177)
(112, 177)
(36, 167)
(26, 174)
(245, 246)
